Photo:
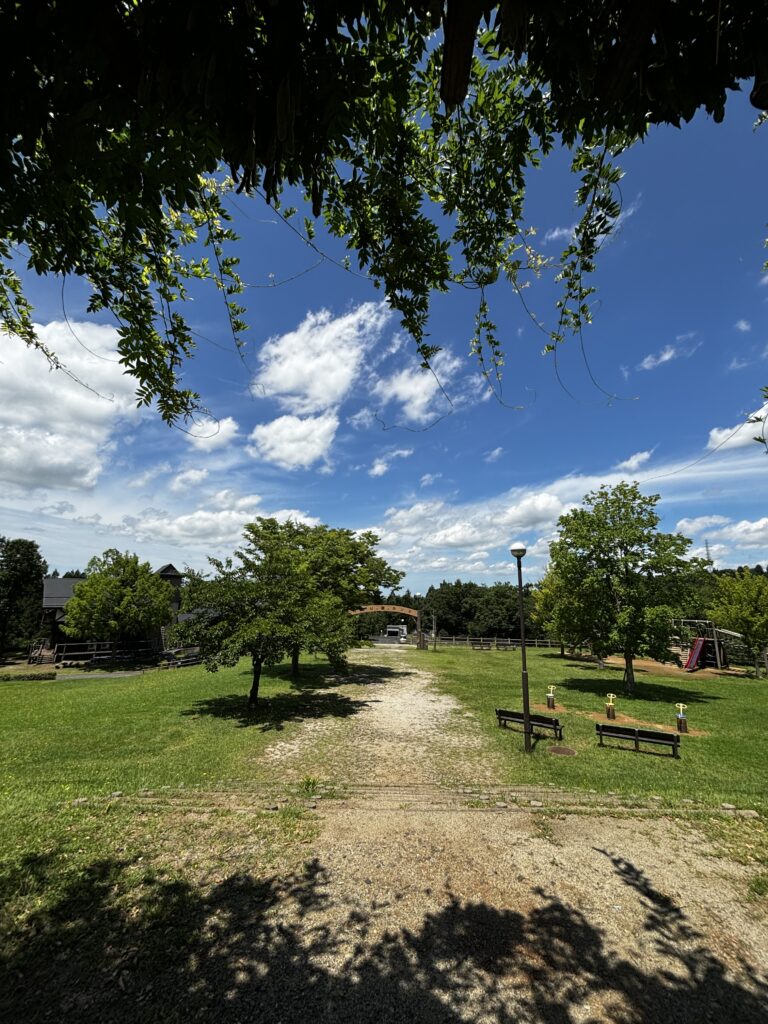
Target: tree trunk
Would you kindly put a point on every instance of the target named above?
(295, 652)
(253, 696)
(562, 649)
(629, 672)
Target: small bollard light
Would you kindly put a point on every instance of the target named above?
(610, 707)
(551, 698)
(682, 721)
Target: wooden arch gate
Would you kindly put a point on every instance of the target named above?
(398, 609)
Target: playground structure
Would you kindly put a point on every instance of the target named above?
(707, 645)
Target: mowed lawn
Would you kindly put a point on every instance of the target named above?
(66, 745)
(723, 760)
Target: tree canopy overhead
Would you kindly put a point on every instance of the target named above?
(410, 127)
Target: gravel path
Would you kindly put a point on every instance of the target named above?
(422, 902)
(406, 732)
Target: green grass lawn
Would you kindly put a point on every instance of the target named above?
(726, 764)
(186, 729)
(114, 902)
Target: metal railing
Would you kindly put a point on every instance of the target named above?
(470, 641)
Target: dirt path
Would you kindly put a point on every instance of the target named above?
(434, 894)
(405, 732)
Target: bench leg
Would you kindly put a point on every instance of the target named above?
(637, 744)
(601, 739)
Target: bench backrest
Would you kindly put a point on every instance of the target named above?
(652, 734)
(629, 732)
(536, 719)
(615, 730)
(544, 720)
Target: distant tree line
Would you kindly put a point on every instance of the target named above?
(615, 584)
(460, 609)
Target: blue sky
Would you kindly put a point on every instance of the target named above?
(328, 417)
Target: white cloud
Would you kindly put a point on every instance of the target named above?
(699, 524)
(187, 479)
(743, 326)
(428, 479)
(670, 352)
(737, 363)
(534, 511)
(652, 361)
(206, 528)
(381, 465)
(745, 533)
(634, 462)
(764, 280)
(54, 431)
(149, 474)
(416, 390)
(486, 524)
(209, 434)
(229, 499)
(740, 435)
(492, 456)
(566, 234)
(293, 442)
(561, 234)
(312, 369)
(362, 419)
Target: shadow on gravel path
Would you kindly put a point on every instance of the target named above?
(270, 951)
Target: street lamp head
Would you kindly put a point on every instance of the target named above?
(518, 549)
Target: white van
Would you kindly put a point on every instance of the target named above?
(397, 633)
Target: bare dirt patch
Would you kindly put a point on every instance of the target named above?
(620, 719)
(667, 668)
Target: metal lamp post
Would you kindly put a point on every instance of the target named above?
(517, 550)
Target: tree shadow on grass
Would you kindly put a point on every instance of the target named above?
(318, 677)
(643, 690)
(128, 944)
(273, 712)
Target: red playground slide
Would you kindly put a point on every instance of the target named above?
(696, 652)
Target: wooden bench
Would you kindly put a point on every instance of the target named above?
(481, 647)
(505, 647)
(638, 736)
(537, 721)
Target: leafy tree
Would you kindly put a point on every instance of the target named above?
(741, 604)
(612, 576)
(120, 598)
(338, 563)
(264, 605)
(22, 569)
(410, 127)
(453, 605)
